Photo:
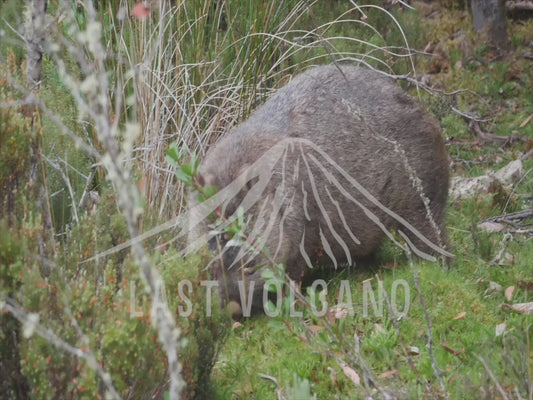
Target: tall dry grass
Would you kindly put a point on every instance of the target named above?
(196, 68)
(187, 72)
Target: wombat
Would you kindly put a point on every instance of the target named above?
(322, 172)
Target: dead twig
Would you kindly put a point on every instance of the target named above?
(469, 116)
(486, 137)
(517, 221)
(528, 55)
(521, 231)
(456, 353)
(501, 252)
(279, 391)
(515, 187)
(88, 183)
(517, 6)
(66, 180)
(508, 218)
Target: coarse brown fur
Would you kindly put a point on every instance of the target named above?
(354, 130)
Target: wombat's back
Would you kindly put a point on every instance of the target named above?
(350, 112)
(375, 134)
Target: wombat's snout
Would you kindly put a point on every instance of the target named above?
(240, 282)
(235, 309)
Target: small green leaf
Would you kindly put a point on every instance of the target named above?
(195, 162)
(184, 177)
(233, 229)
(267, 274)
(200, 198)
(171, 160)
(187, 169)
(173, 155)
(210, 191)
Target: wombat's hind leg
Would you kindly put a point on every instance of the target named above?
(431, 239)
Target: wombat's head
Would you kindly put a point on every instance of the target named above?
(238, 265)
(245, 222)
(242, 233)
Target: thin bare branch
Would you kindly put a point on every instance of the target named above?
(490, 137)
(66, 180)
(493, 378)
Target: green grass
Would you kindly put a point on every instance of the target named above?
(463, 291)
(221, 68)
(264, 346)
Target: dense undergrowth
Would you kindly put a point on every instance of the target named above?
(186, 74)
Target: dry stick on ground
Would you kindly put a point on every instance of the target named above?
(468, 116)
(515, 6)
(501, 252)
(515, 220)
(526, 155)
(507, 218)
(485, 137)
